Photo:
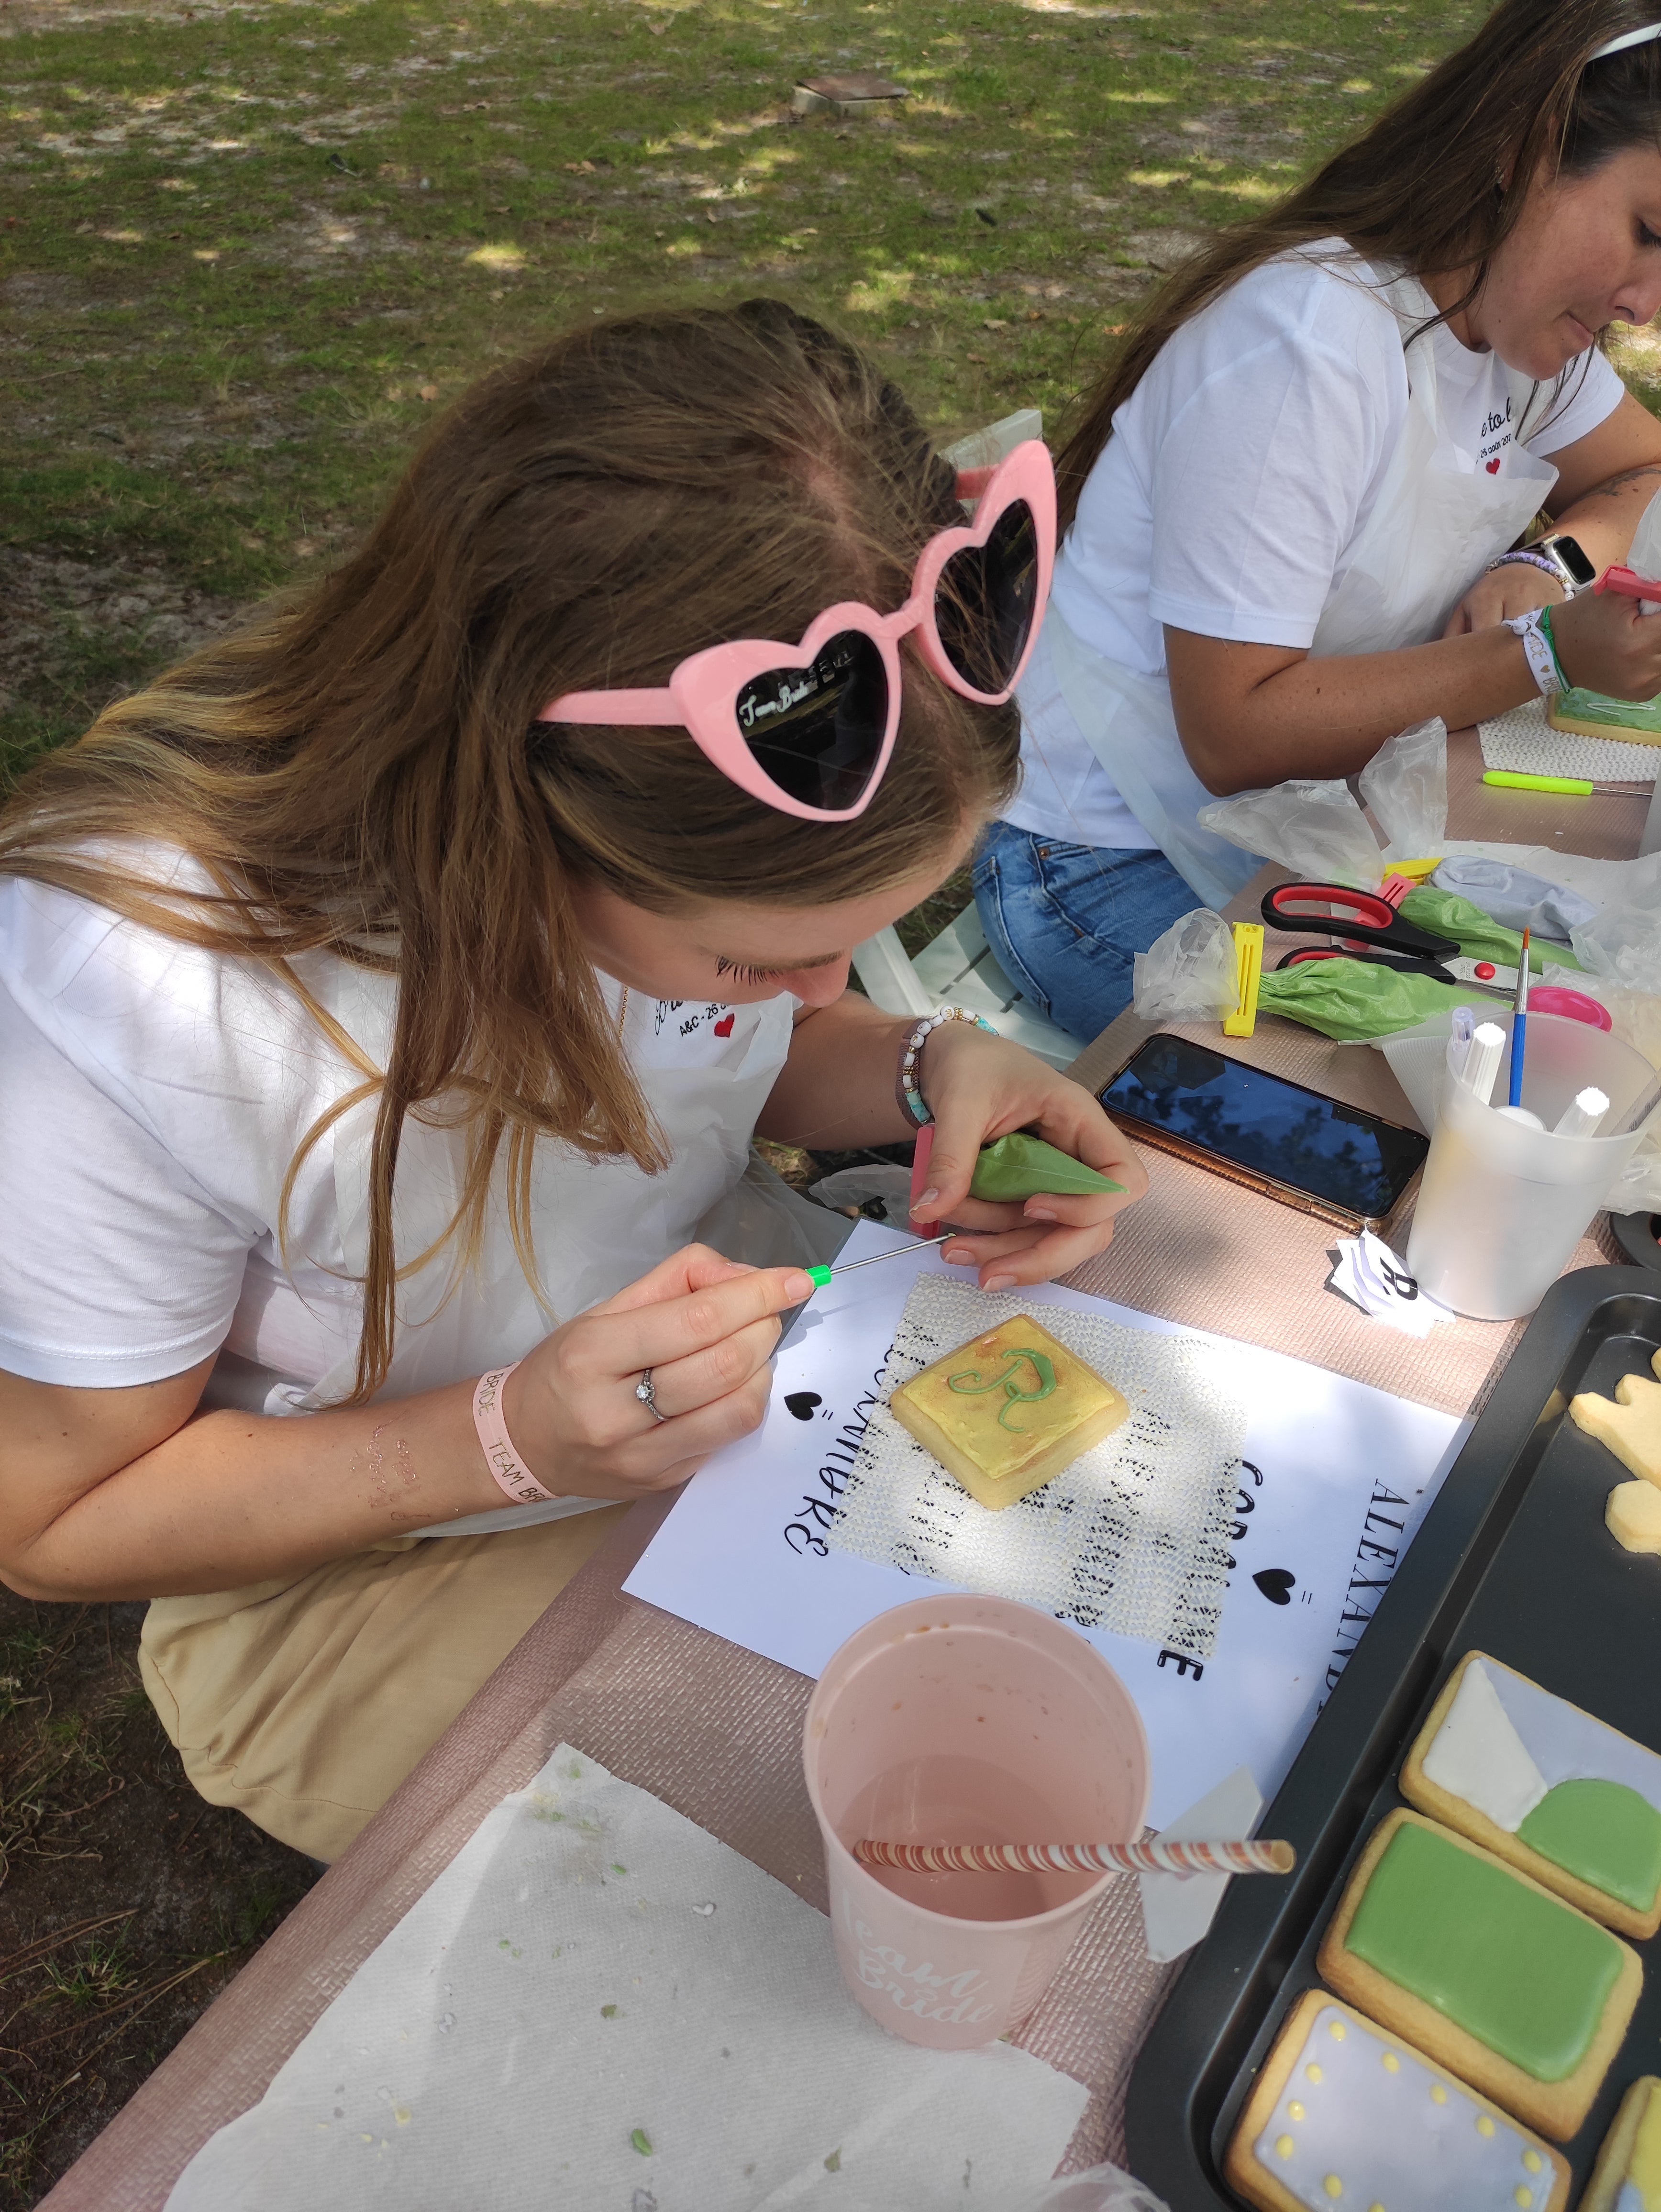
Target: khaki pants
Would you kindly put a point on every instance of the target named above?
(305, 1704)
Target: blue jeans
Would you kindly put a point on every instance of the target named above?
(1066, 921)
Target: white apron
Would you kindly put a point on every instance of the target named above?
(705, 1070)
(1433, 530)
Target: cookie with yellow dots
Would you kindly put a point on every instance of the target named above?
(1629, 1423)
(1344, 2116)
(1628, 2175)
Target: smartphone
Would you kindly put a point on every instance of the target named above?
(1291, 1144)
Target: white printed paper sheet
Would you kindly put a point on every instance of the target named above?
(1335, 1477)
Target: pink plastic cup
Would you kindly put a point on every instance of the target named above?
(965, 1720)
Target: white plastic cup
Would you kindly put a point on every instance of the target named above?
(1501, 1206)
(962, 1719)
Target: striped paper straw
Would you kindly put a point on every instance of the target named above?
(1157, 1857)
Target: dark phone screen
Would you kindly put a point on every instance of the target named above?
(1261, 1122)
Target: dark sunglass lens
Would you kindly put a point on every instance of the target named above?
(986, 600)
(817, 730)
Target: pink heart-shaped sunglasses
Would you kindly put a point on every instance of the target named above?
(809, 728)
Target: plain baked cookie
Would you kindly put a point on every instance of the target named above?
(1629, 1424)
(1568, 1800)
(1484, 1971)
(1631, 2154)
(1341, 2102)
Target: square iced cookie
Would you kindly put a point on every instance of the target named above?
(1007, 1412)
(1628, 2175)
(1570, 1801)
(1489, 1974)
(1344, 2113)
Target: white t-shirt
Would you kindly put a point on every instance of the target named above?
(152, 1097)
(1239, 474)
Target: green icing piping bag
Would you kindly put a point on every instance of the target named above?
(1026, 1167)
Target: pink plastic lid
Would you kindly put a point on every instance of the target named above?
(1553, 998)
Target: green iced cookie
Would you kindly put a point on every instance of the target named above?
(1524, 1974)
(1604, 1833)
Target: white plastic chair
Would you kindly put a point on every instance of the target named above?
(957, 967)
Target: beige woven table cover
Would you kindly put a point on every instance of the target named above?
(715, 1731)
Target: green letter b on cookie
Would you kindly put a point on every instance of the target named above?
(1488, 1974)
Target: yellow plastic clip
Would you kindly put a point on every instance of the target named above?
(1249, 974)
(1416, 870)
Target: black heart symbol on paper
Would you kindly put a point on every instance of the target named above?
(1276, 1585)
(802, 1402)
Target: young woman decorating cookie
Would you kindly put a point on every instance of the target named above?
(1289, 504)
(390, 994)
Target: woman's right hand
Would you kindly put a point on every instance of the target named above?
(1603, 644)
(705, 1326)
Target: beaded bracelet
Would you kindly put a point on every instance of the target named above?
(910, 1096)
(1534, 560)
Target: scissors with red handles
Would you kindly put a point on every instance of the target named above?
(1366, 927)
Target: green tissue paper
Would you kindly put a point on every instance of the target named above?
(1024, 1167)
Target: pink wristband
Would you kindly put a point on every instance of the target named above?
(503, 1462)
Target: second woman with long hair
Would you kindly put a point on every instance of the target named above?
(1292, 508)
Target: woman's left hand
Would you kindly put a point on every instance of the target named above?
(980, 1088)
(1501, 593)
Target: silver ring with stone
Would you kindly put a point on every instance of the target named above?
(644, 1392)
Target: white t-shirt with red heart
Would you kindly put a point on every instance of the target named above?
(1240, 475)
(152, 1096)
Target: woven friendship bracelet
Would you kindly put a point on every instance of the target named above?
(503, 1462)
(1532, 629)
(909, 1087)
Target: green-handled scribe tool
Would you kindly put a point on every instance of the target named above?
(821, 1274)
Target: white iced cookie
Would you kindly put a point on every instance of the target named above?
(1344, 2114)
(1629, 1423)
(1544, 1785)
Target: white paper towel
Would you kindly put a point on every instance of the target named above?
(599, 2006)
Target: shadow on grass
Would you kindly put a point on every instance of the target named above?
(126, 1903)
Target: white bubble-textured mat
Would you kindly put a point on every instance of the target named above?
(1133, 1537)
(1523, 742)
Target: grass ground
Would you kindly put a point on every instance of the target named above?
(246, 248)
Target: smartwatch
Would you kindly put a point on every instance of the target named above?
(1567, 557)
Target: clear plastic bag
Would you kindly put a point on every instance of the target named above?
(1622, 940)
(858, 1186)
(1406, 785)
(1100, 2189)
(1318, 829)
(1190, 973)
(1315, 829)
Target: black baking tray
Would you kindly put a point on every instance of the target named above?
(1513, 1560)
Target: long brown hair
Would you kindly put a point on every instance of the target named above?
(1434, 185)
(361, 770)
